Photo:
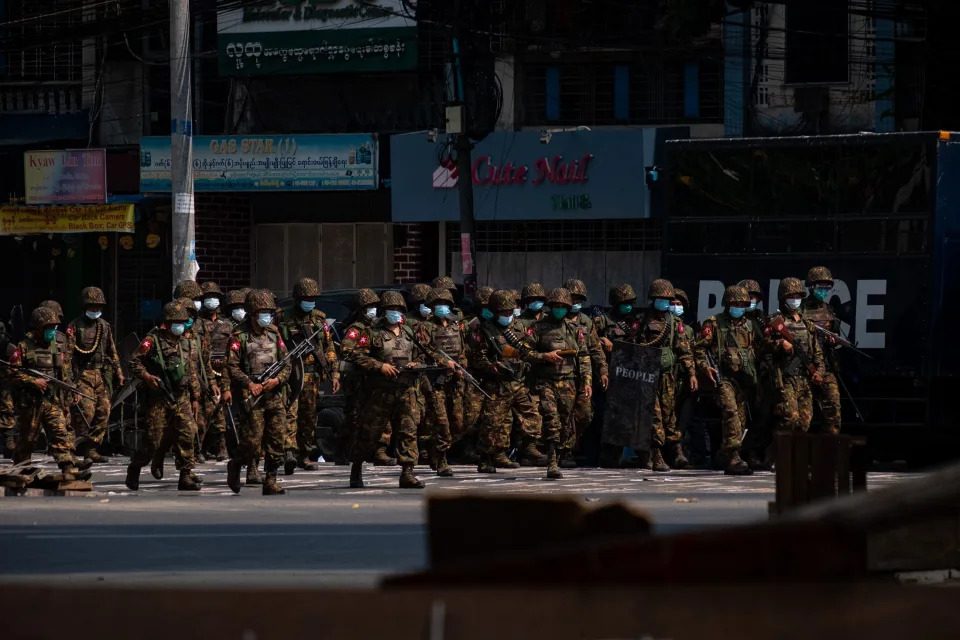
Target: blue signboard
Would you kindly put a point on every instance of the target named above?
(295, 162)
(524, 175)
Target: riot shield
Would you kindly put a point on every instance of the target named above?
(634, 378)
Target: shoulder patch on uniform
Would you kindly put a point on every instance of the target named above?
(352, 334)
(580, 335)
(636, 325)
(326, 328)
(15, 357)
(530, 331)
(680, 328)
(234, 345)
(145, 345)
(363, 341)
(707, 330)
(280, 342)
(69, 329)
(767, 331)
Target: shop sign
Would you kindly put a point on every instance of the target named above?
(19, 221)
(334, 162)
(316, 36)
(71, 176)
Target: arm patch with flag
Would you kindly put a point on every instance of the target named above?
(235, 345)
(352, 334)
(145, 345)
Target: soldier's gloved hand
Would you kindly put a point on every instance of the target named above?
(607, 345)
(270, 384)
(255, 389)
(40, 384)
(604, 382)
(588, 392)
(389, 370)
(336, 385)
(694, 385)
(227, 397)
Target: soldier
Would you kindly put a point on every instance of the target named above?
(583, 409)
(660, 329)
(322, 365)
(446, 282)
(619, 321)
(727, 353)
(445, 340)
(798, 359)
(682, 399)
(473, 399)
(496, 357)
(393, 395)
(168, 363)
(96, 368)
(217, 330)
(758, 438)
(194, 330)
(43, 405)
(531, 299)
(358, 335)
(8, 410)
(816, 310)
(234, 306)
(254, 347)
(420, 312)
(418, 303)
(561, 363)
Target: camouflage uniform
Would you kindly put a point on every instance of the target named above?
(389, 400)
(760, 436)
(217, 330)
(558, 385)
(683, 402)
(496, 355)
(43, 409)
(318, 367)
(176, 361)
(583, 409)
(252, 351)
(96, 366)
(473, 399)
(428, 421)
(821, 314)
(189, 294)
(8, 410)
(732, 343)
(793, 410)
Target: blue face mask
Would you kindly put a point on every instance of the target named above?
(264, 319)
(504, 321)
(737, 312)
(516, 313)
(177, 328)
(576, 307)
(94, 315)
(661, 304)
(307, 305)
(753, 305)
(442, 310)
(536, 305)
(50, 334)
(425, 311)
(189, 323)
(626, 308)
(677, 310)
(559, 312)
(486, 314)
(821, 294)
(394, 317)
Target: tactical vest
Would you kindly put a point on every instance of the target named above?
(89, 340)
(169, 357)
(735, 347)
(46, 359)
(614, 329)
(821, 314)
(802, 339)
(259, 351)
(658, 334)
(397, 350)
(219, 332)
(500, 337)
(448, 338)
(558, 338)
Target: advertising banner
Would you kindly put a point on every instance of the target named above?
(267, 163)
(71, 176)
(18, 221)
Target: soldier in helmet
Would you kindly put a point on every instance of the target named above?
(446, 282)
(96, 370)
(496, 355)
(235, 309)
(816, 309)
(727, 352)
(583, 409)
(217, 330)
(679, 420)
(8, 410)
(759, 437)
(419, 309)
(660, 329)
(168, 364)
(195, 331)
(473, 399)
(532, 299)
(254, 347)
(619, 321)
(393, 395)
(43, 405)
(318, 367)
(797, 357)
(358, 336)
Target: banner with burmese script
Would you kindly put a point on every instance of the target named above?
(21, 221)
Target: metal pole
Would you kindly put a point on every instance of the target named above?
(181, 144)
(465, 183)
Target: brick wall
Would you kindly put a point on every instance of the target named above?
(408, 253)
(223, 239)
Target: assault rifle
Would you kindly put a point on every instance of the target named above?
(463, 372)
(839, 339)
(301, 349)
(800, 354)
(51, 380)
(712, 363)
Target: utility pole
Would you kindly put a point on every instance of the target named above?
(463, 148)
(181, 144)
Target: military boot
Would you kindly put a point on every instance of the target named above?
(289, 463)
(679, 460)
(270, 486)
(93, 455)
(657, 462)
(305, 464)
(566, 460)
(530, 456)
(253, 475)
(501, 461)
(9, 443)
(486, 464)
(221, 448)
(736, 466)
(84, 464)
(424, 458)
(382, 459)
(408, 480)
(646, 460)
(71, 472)
(187, 483)
(553, 464)
(443, 467)
(133, 478)
(356, 476)
(156, 467)
(195, 478)
(233, 475)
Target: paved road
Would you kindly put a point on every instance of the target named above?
(321, 532)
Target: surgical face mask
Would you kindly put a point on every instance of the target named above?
(394, 317)
(442, 310)
(676, 309)
(559, 312)
(504, 320)
(822, 293)
(307, 305)
(94, 315)
(661, 304)
(536, 305)
(177, 328)
(576, 307)
(370, 313)
(516, 313)
(189, 323)
(737, 312)
(239, 314)
(50, 334)
(793, 303)
(486, 314)
(626, 308)
(211, 303)
(264, 319)
(425, 311)
(753, 305)
(196, 305)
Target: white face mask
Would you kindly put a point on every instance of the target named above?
(370, 313)
(196, 305)
(793, 303)
(239, 314)
(211, 303)
(264, 319)
(94, 315)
